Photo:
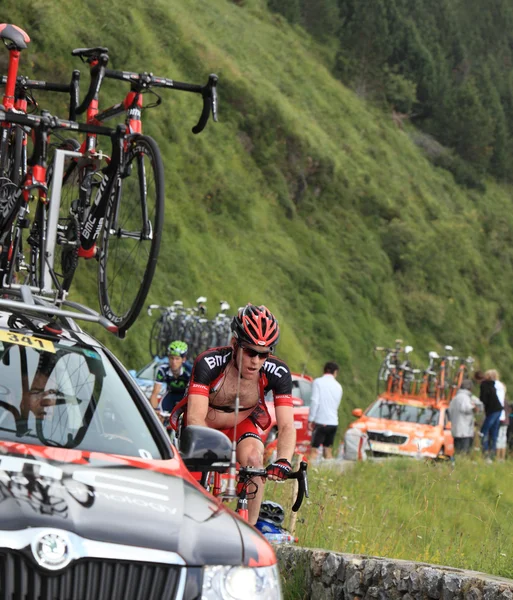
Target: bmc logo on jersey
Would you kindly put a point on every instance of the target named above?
(274, 369)
(217, 360)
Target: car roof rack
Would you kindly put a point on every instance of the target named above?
(36, 305)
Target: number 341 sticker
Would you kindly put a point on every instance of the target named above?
(26, 340)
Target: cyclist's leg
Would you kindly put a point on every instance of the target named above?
(250, 453)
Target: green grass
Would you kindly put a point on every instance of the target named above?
(407, 509)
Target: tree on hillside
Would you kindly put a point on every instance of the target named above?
(365, 44)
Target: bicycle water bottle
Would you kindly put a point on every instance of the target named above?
(280, 538)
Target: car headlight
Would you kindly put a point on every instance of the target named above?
(240, 583)
(424, 443)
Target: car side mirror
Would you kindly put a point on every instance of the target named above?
(297, 402)
(204, 449)
(357, 412)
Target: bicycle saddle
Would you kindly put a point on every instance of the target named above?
(13, 36)
(89, 52)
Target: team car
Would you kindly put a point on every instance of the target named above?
(301, 398)
(95, 502)
(400, 426)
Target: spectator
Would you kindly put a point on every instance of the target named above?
(323, 417)
(461, 412)
(502, 436)
(493, 410)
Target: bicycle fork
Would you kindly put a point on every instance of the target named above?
(90, 229)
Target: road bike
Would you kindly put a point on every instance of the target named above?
(189, 325)
(463, 371)
(112, 206)
(392, 369)
(247, 486)
(17, 98)
(16, 202)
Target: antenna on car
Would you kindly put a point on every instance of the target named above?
(231, 490)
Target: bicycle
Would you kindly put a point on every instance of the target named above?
(463, 372)
(121, 204)
(247, 488)
(446, 363)
(391, 368)
(13, 142)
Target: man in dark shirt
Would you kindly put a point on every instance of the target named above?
(493, 409)
(174, 375)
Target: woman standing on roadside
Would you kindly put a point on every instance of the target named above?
(493, 409)
(500, 390)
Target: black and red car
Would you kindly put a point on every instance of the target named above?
(94, 500)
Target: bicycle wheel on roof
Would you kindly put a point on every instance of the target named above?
(131, 234)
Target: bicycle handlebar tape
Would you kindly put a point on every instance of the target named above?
(280, 469)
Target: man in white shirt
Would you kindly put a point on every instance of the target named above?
(323, 417)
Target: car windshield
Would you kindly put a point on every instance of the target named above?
(68, 396)
(423, 415)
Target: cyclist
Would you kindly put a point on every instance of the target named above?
(174, 375)
(248, 368)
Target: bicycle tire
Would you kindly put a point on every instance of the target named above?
(155, 338)
(123, 284)
(9, 193)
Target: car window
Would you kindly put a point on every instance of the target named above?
(69, 397)
(149, 371)
(423, 415)
(305, 388)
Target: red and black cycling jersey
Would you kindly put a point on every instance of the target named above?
(207, 377)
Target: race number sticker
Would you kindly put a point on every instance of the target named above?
(27, 340)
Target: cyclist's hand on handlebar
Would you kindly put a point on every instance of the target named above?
(279, 470)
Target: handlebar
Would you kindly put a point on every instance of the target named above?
(23, 83)
(98, 59)
(47, 121)
(145, 81)
(246, 473)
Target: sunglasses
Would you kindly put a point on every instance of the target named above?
(252, 353)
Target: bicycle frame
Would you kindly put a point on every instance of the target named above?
(132, 107)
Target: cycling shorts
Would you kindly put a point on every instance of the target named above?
(245, 429)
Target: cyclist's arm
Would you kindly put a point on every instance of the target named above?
(154, 399)
(286, 432)
(197, 409)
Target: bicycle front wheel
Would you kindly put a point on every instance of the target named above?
(131, 234)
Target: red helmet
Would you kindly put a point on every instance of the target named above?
(256, 325)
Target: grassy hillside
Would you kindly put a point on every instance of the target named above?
(302, 197)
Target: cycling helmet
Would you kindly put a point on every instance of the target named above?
(256, 325)
(177, 348)
(271, 512)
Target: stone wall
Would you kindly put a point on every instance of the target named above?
(332, 576)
